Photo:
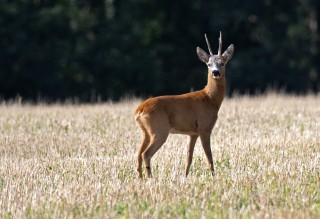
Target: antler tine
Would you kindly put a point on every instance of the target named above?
(208, 44)
(220, 44)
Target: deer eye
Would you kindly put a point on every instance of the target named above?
(209, 64)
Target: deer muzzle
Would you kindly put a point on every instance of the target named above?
(216, 73)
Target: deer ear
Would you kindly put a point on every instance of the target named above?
(228, 53)
(203, 56)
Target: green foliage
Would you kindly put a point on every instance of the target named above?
(107, 49)
(2, 184)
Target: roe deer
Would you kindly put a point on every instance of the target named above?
(192, 114)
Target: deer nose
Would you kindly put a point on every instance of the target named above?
(216, 73)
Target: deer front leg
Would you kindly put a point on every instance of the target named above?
(205, 140)
(192, 142)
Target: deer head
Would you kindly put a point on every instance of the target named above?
(216, 63)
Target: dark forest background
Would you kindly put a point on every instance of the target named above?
(107, 49)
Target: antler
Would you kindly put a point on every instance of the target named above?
(205, 35)
(220, 45)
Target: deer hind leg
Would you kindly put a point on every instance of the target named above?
(205, 140)
(192, 142)
(156, 141)
(144, 144)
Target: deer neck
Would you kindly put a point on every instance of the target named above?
(215, 89)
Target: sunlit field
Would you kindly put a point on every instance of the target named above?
(78, 161)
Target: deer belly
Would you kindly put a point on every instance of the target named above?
(187, 128)
(185, 132)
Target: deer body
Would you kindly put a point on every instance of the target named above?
(193, 114)
(187, 113)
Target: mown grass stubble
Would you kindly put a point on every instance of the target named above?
(77, 161)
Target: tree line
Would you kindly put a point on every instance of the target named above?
(107, 49)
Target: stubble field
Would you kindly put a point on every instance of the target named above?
(78, 161)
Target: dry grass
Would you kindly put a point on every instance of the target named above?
(67, 161)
